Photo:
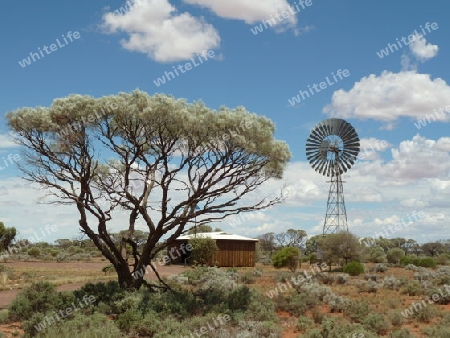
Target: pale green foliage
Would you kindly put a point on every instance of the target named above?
(203, 250)
(394, 255)
(339, 247)
(156, 157)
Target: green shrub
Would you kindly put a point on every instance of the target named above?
(313, 333)
(304, 323)
(377, 255)
(357, 310)
(203, 250)
(377, 323)
(4, 316)
(34, 252)
(380, 267)
(443, 259)
(336, 303)
(391, 283)
(403, 333)
(425, 314)
(413, 288)
(353, 268)
(128, 319)
(394, 255)
(40, 297)
(406, 260)
(286, 258)
(368, 286)
(107, 293)
(83, 326)
(437, 331)
(396, 318)
(239, 298)
(426, 262)
(434, 294)
(333, 327)
(248, 278)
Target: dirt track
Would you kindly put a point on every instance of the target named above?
(7, 296)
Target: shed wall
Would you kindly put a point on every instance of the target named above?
(232, 253)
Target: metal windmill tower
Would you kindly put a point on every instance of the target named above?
(332, 148)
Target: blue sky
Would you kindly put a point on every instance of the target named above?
(382, 97)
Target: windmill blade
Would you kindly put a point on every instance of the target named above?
(332, 159)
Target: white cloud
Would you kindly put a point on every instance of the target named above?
(249, 11)
(6, 141)
(158, 30)
(421, 49)
(390, 96)
(413, 160)
(371, 147)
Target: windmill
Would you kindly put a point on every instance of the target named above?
(332, 148)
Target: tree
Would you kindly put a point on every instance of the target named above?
(200, 228)
(267, 242)
(7, 236)
(433, 248)
(154, 157)
(286, 257)
(339, 246)
(203, 250)
(296, 238)
(377, 255)
(394, 255)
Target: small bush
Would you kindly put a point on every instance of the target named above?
(377, 323)
(203, 250)
(107, 293)
(396, 318)
(372, 277)
(83, 326)
(413, 288)
(248, 278)
(239, 298)
(394, 255)
(286, 257)
(380, 267)
(403, 333)
(391, 283)
(336, 303)
(40, 297)
(368, 286)
(34, 252)
(425, 314)
(443, 259)
(353, 268)
(426, 262)
(342, 278)
(357, 310)
(304, 323)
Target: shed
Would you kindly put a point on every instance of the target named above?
(234, 250)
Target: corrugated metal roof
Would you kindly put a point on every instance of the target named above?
(218, 235)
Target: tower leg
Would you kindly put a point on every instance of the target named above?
(336, 215)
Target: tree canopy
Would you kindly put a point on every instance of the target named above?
(7, 236)
(162, 160)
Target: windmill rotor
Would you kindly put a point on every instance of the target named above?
(332, 147)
